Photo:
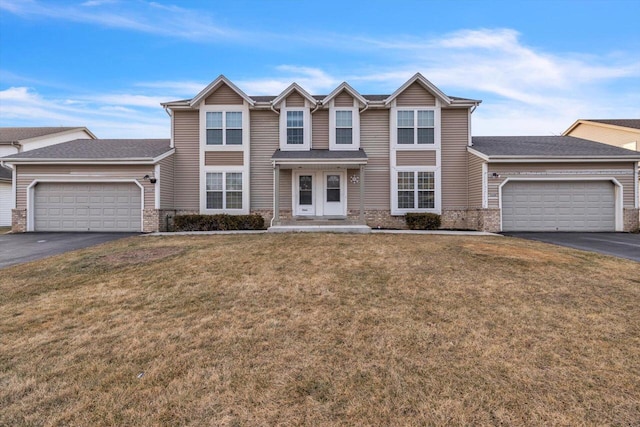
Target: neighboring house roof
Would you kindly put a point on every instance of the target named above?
(563, 147)
(10, 135)
(632, 125)
(5, 174)
(320, 156)
(97, 150)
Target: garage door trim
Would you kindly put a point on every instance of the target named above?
(31, 196)
(617, 189)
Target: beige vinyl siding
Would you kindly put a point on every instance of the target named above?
(617, 137)
(187, 160)
(343, 99)
(166, 182)
(320, 130)
(416, 158)
(285, 189)
(455, 138)
(295, 100)
(548, 170)
(353, 190)
(26, 174)
(475, 181)
(224, 158)
(264, 142)
(415, 95)
(374, 140)
(224, 95)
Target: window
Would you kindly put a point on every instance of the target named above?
(344, 127)
(295, 127)
(224, 190)
(416, 190)
(409, 133)
(224, 132)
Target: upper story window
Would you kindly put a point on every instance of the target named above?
(224, 128)
(344, 132)
(415, 127)
(295, 129)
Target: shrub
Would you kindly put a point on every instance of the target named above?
(422, 221)
(217, 222)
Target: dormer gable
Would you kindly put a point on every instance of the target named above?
(297, 94)
(418, 89)
(343, 96)
(221, 91)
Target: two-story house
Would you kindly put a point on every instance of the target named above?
(342, 158)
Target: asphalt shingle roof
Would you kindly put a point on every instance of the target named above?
(269, 98)
(546, 146)
(319, 155)
(13, 134)
(96, 149)
(629, 123)
(5, 174)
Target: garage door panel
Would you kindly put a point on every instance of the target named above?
(87, 207)
(558, 206)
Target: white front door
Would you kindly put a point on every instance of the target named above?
(334, 195)
(305, 194)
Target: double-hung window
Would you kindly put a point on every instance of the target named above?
(224, 127)
(344, 127)
(416, 190)
(415, 127)
(224, 190)
(295, 127)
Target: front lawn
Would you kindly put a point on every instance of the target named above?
(321, 330)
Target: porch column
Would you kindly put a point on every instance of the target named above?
(276, 193)
(362, 193)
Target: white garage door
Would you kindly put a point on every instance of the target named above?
(5, 204)
(87, 207)
(558, 206)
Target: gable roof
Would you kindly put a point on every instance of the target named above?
(10, 135)
(294, 86)
(631, 125)
(420, 79)
(6, 174)
(523, 147)
(344, 86)
(215, 85)
(144, 150)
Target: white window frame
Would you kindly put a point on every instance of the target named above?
(306, 117)
(224, 171)
(224, 109)
(395, 210)
(355, 128)
(415, 145)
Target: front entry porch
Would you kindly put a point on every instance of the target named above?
(324, 191)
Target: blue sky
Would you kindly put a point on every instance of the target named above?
(107, 64)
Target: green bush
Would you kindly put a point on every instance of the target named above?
(217, 222)
(422, 221)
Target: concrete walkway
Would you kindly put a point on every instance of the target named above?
(329, 230)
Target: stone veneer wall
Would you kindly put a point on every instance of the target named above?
(18, 220)
(631, 220)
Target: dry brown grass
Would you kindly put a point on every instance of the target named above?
(321, 330)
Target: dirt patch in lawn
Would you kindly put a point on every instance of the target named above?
(321, 330)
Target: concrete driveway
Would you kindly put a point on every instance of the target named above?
(24, 247)
(621, 245)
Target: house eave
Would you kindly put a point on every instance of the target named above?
(92, 161)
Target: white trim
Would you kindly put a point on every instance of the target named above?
(107, 161)
(156, 186)
(173, 129)
(485, 186)
(355, 129)
(478, 154)
(214, 85)
(619, 198)
(294, 86)
(551, 159)
(318, 162)
(306, 117)
(224, 170)
(430, 87)
(224, 109)
(295, 191)
(636, 184)
(31, 198)
(319, 187)
(14, 187)
(351, 91)
(437, 188)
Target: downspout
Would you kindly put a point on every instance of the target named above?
(366, 107)
(318, 105)
(166, 110)
(274, 109)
